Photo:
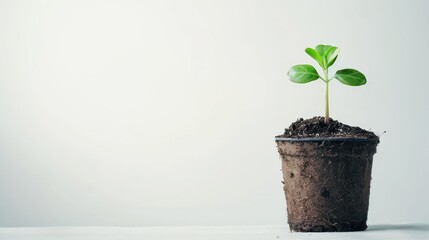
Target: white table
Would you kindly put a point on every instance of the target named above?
(376, 232)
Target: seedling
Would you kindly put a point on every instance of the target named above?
(325, 56)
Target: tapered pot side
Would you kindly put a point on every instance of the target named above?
(327, 182)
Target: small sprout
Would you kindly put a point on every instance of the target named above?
(325, 56)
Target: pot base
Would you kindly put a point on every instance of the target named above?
(327, 184)
(335, 227)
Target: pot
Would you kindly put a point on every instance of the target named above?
(327, 182)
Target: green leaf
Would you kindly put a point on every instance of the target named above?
(314, 55)
(332, 61)
(328, 54)
(303, 73)
(323, 49)
(350, 77)
(331, 55)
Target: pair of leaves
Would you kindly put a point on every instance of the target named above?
(305, 73)
(325, 55)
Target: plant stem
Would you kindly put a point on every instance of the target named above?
(326, 97)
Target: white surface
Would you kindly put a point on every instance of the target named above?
(164, 112)
(376, 232)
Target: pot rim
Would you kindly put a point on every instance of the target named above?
(322, 139)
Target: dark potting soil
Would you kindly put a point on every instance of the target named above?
(316, 127)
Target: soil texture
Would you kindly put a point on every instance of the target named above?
(316, 127)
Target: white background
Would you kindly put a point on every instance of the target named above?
(137, 113)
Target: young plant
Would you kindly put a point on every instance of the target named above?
(325, 56)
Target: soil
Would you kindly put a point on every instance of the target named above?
(327, 182)
(316, 127)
